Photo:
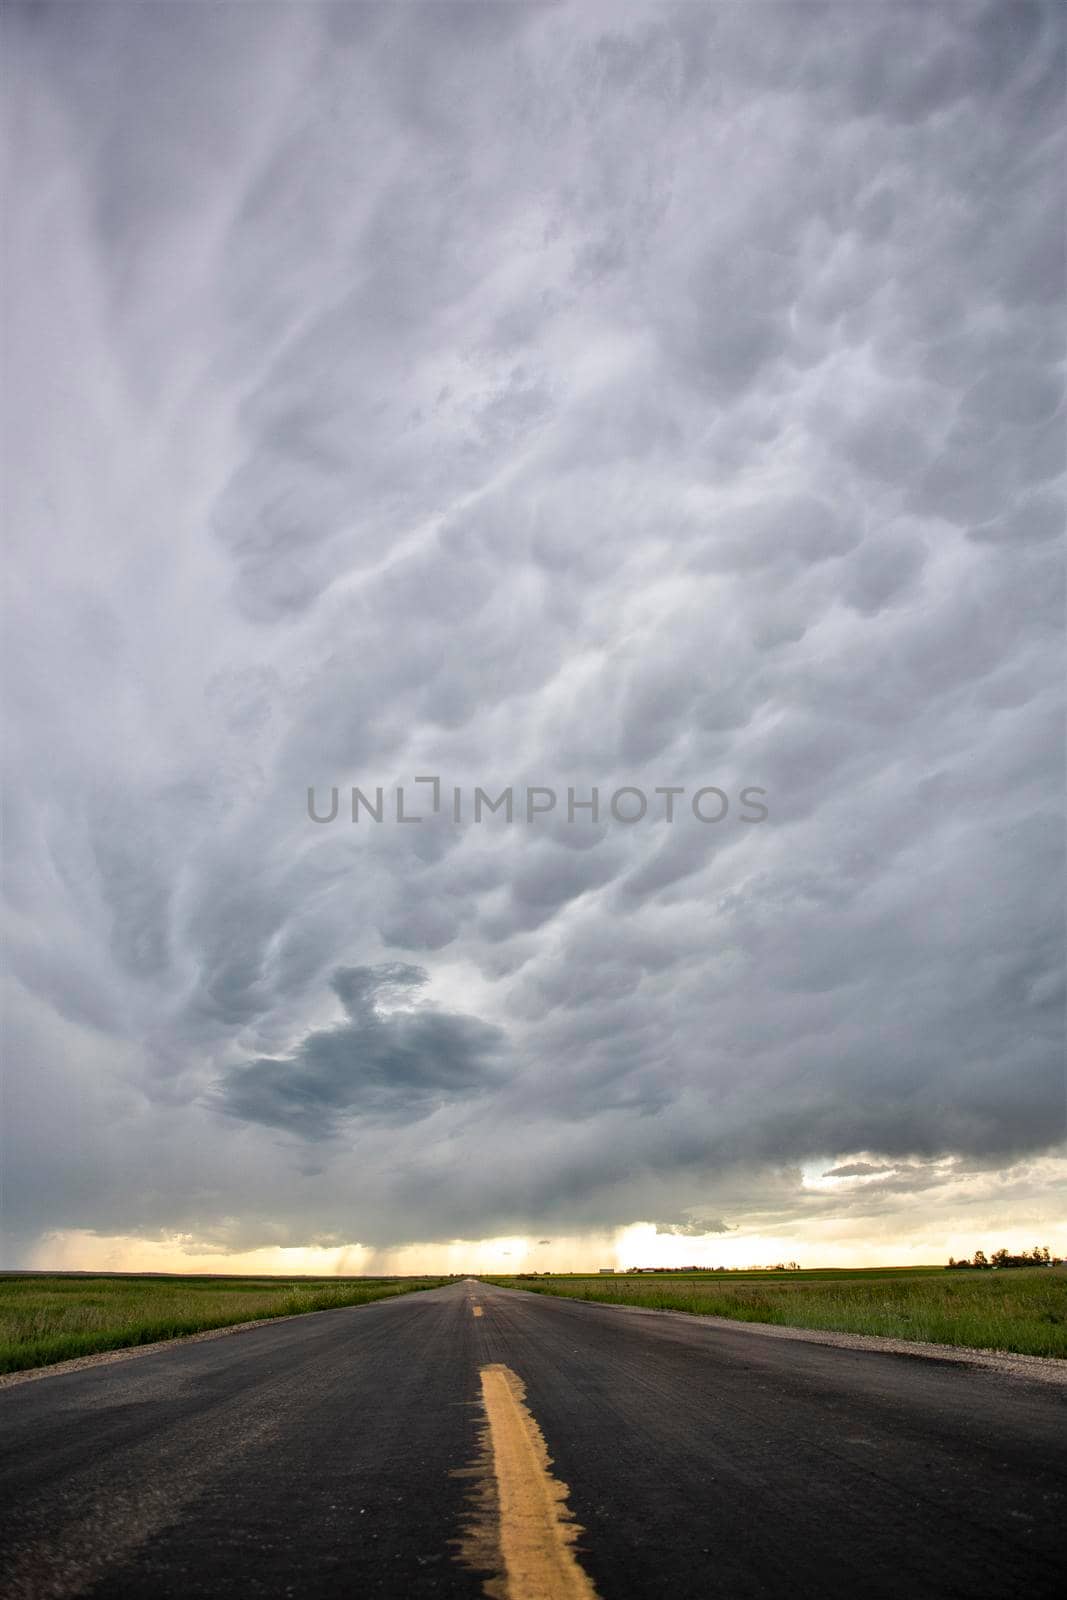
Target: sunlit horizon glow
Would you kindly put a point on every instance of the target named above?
(829, 1244)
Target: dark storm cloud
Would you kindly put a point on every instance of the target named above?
(385, 1066)
(533, 395)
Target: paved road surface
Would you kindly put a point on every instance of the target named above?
(346, 1454)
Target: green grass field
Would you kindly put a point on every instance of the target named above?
(47, 1319)
(1018, 1309)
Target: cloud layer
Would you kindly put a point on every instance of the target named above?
(531, 395)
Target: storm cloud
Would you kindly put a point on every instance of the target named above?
(562, 395)
(385, 1066)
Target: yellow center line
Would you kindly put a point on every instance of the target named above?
(537, 1531)
(478, 1311)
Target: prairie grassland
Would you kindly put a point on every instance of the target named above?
(47, 1319)
(1015, 1310)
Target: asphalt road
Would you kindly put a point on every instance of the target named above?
(345, 1454)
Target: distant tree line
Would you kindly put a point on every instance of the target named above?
(1039, 1256)
(777, 1266)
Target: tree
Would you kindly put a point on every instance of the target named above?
(979, 1259)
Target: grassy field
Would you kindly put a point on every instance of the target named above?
(1018, 1309)
(47, 1319)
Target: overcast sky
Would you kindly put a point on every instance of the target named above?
(640, 395)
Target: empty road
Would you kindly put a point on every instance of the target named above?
(469, 1435)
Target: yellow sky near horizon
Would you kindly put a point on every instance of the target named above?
(819, 1245)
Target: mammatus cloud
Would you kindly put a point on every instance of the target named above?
(536, 395)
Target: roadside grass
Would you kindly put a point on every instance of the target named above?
(1018, 1310)
(49, 1319)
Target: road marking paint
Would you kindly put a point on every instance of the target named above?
(536, 1529)
(478, 1311)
